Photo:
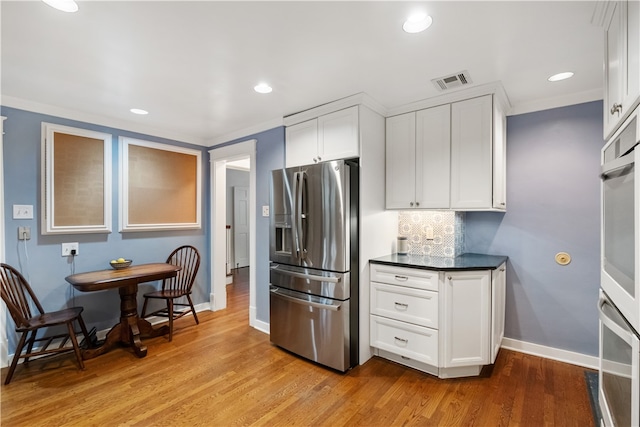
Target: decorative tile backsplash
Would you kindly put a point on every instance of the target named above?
(448, 232)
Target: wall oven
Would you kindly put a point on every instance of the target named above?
(619, 384)
(621, 222)
(619, 303)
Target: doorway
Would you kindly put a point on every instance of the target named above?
(240, 226)
(219, 159)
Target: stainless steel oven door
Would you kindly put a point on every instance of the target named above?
(312, 327)
(620, 235)
(619, 384)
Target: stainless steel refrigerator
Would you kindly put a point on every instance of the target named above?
(314, 262)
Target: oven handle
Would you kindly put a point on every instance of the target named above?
(626, 335)
(305, 302)
(618, 163)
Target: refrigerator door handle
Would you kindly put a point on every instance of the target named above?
(300, 216)
(305, 302)
(308, 276)
(295, 217)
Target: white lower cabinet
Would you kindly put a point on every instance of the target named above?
(446, 323)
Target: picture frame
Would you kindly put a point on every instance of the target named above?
(76, 180)
(160, 186)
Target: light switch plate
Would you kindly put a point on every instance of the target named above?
(265, 211)
(22, 211)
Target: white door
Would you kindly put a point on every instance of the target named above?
(401, 161)
(338, 135)
(433, 157)
(471, 154)
(301, 143)
(241, 226)
(466, 318)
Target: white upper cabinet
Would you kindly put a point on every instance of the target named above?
(449, 156)
(621, 21)
(328, 137)
(433, 135)
(471, 154)
(400, 161)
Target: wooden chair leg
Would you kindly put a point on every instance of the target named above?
(30, 342)
(74, 341)
(170, 314)
(16, 356)
(193, 310)
(83, 328)
(144, 308)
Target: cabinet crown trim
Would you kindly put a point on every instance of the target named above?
(494, 88)
(340, 104)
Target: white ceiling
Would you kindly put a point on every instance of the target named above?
(193, 65)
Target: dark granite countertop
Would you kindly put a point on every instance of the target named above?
(425, 262)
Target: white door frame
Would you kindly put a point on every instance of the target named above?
(218, 159)
(4, 343)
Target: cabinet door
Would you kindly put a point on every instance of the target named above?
(471, 154)
(499, 158)
(498, 293)
(433, 156)
(401, 161)
(465, 328)
(301, 143)
(614, 68)
(338, 136)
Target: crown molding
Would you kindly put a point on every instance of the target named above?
(330, 107)
(51, 110)
(245, 132)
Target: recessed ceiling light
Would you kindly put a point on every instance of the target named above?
(417, 22)
(263, 88)
(560, 76)
(139, 111)
(63, 5)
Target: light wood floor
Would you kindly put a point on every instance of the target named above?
(224, 373)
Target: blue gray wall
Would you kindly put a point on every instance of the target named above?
(41, 261)
(269, 156)
(553, 205)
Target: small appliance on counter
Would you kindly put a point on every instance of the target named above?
(403, 246)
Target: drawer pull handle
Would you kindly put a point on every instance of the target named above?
(402, 340)
(400, 305)
(405, 357)
(402, 278)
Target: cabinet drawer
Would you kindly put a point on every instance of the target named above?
(410, 277)
(411, 305)
(415, 342)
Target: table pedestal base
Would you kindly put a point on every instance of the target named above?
(130, 328)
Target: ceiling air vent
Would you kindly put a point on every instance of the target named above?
(455, 80)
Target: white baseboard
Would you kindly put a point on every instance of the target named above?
(4, 353)
(566, 356)
(258, 324)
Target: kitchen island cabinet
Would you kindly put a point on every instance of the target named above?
(443, 316)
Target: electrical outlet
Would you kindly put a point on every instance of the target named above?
(265, 211)
(68, 247)
(24, 233)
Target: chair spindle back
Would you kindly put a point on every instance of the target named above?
(188, 258)
(18, 295)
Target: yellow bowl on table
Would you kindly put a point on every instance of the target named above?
(118, 265)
